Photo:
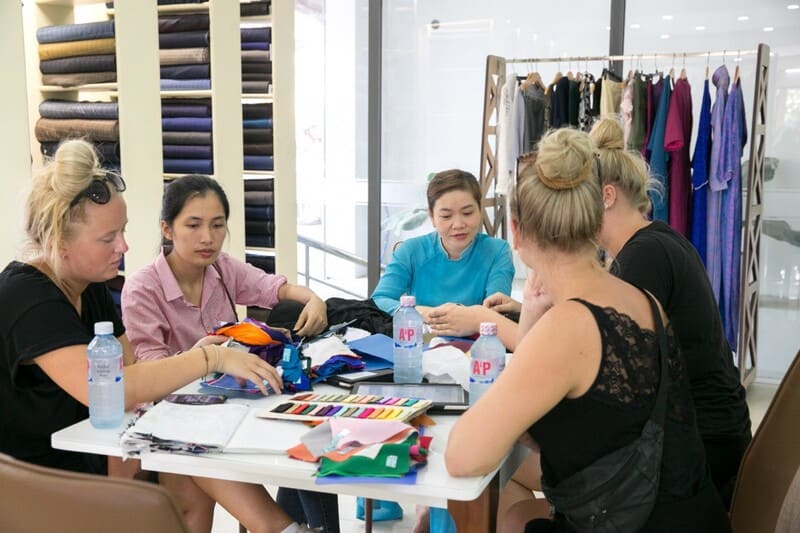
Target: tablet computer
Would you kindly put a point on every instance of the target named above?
(350, 379)
(445, 397)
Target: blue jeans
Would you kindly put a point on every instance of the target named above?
(317, 509)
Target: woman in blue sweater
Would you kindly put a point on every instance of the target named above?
(452, 270)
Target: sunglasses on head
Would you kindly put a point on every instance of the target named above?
(98, 190)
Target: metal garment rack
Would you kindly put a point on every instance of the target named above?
(494, 205)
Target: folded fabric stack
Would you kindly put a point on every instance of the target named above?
(255, 9)
(259, 213)
(93, 121)
(257, 128)
(77, 54)
(186, 136)
(352, 450)
(256, 60)
(183, 42)
(264, 262)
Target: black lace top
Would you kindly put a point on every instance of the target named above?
(611, 414)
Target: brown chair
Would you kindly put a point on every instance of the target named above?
(34, 499)
(766, 490)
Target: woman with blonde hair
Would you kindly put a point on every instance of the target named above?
(584, 377)
(75, 226)
(657, 258)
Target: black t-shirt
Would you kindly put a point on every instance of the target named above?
(662, 261)
(36, 318)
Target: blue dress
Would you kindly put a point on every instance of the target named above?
(658, 156)
(702, 152)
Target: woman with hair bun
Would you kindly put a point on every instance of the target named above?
(583, 379)
(657, 258)
(75, 228)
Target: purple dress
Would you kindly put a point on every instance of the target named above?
(734, 137)
(716, 183)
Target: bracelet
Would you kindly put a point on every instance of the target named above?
(205, 356)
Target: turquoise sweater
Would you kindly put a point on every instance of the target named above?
(420, 267)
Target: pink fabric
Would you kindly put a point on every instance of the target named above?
(677, 138)
(159, 322)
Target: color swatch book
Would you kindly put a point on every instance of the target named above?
(313, 406)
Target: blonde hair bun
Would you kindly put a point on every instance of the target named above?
(608, 135)
(565, 159)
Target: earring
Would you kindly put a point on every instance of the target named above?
(606, 205)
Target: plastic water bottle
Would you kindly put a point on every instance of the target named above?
(407, 324)
(106, 387)
(488, 360)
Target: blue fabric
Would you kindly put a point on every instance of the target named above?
(259, 162)
(658, 156)
(256, 34)
(183, 39)
(87, 110)
(186, 72)
(257, 123)
(382, 510)
(186, 124)
(71, 65)
(75, 32)
(188, 166)
(187, 151)
(185, 110)
(700, 160)
(420, 267)
(441, 521)
(255, 45)
(185, 85)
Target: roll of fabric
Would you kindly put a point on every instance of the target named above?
(257, 123)
(188, 166)
(258, 149)
(183, 56)
(257, 56)
(257, 136)
(186, 124)
(108, 151)
(259, 162)
(48, 129)
(264, 184)
(259, 212)
(253, 9)
(255, 45)
(68, 109)
(183, 39)
(254, 67)
(185, 85)
(256, 76)
(186, 72)
(264, 262)
(186, 137)
(75, 32)
(187, 151)
(259, 110)
(77, 48)
(172, 109)
(175, 23)
(83, 78)
(259, 35)
(258, 198)
(259, 241)
(260, 227)
(256, 87)
(95, 63)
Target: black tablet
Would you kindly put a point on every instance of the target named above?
(446, 397)
(350, 379)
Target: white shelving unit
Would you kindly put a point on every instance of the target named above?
(138, 93)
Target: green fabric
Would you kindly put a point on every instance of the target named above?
(393, 460)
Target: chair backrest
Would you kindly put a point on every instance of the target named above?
(34, 498)
(770, 464)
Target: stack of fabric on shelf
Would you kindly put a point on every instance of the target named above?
(77, 54)
(183, 52)
(256, 60)
(259, 213)
(186, 136)
(257, 131)
(96, 122)
(255, 9)
(264, 262)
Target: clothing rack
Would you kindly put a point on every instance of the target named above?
(494, 205)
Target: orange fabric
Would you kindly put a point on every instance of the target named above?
(246, 333)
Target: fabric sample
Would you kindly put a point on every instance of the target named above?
(188, 166)
(174, 23)
(257, 123)
(256, 87)
(48, 129)
(82, 78)
(93, 63)
(186, 137)
(185, 110)
(69, 109)
(186, 124)
(256, 110)
(257, 56)
(183, 56)
(259, 184)
(259, 212)
(258, 149)
(258, 198)
(183, 39)
(255, 46)
(257, 136)
(259, 162)
(185, 85)
(186, 72)
(75, 32)
(254, 9)
(262, 34)
(254, 67)
(187, 151)
(77, 48)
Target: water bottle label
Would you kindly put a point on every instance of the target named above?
(482, 367)
(105, 369)
(407, 336)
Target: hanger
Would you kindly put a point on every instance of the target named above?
(570, 75)
(708, 60)
(672, 68)
(683, 67)
(736, 71)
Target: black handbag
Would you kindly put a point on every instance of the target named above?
(617, 492)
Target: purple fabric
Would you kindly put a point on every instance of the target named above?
(702, 152)
(188, 166)
(186, 124)
(734, 137)
(677, 138)
(716, 184)
(187, 151)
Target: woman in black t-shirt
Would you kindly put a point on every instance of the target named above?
(657, 258)
(75, 224)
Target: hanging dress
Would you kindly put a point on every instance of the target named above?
(677, 138)
(659, 158)
(700, 159)
(716, 184)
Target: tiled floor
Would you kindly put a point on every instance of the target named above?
(758, 397)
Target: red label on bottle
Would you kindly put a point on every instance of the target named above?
(406, 334)
(481, 368)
